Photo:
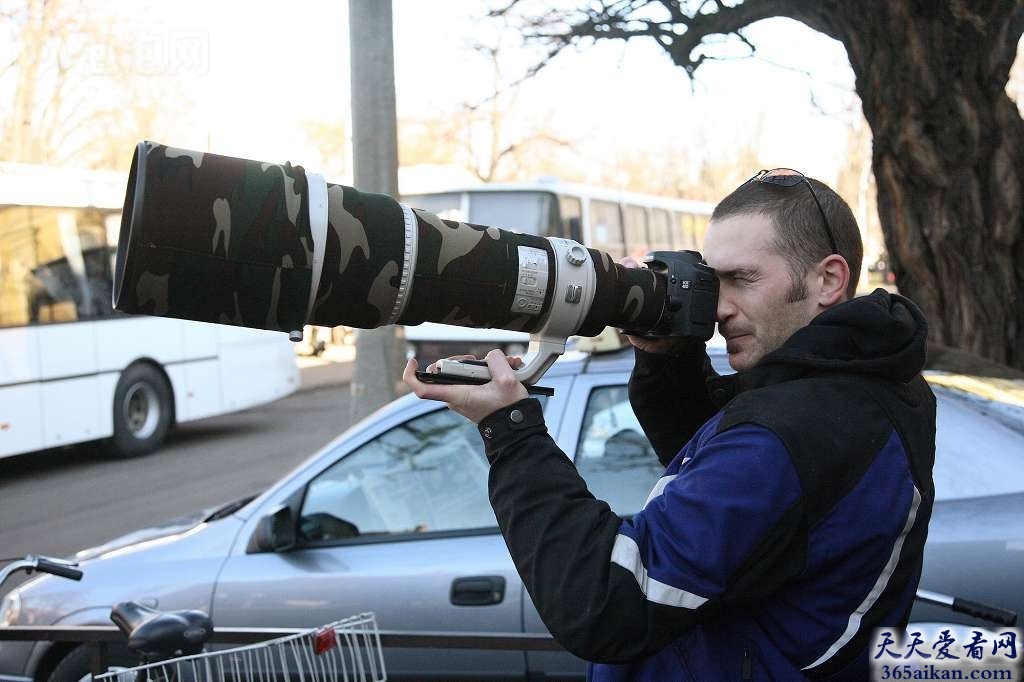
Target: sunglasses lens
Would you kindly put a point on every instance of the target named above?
(782, 178)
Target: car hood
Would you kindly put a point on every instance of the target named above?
(169, 528)
(168, 567)
(143, 535)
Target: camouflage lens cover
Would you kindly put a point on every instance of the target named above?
(214, 239)
(218, 239)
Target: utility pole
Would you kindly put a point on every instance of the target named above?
(380, 353)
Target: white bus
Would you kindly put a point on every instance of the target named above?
(619, 223)
(71, 368)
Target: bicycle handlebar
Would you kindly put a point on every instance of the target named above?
(44, 564)
(59, 568)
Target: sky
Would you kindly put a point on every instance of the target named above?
(256, 72)
(610, 94)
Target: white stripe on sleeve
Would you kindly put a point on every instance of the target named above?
(626, 553)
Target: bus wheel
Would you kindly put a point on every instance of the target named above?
(142, 411)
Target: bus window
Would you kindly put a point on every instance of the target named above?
(700, 228)
(637, 241)
(660, 228)
(447, 205)
(571, 216)
(682, 235)
(606, 228)
(526, 212)
(54, 265)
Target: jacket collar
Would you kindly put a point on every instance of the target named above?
(881, 334)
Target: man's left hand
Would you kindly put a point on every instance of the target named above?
(471, 401)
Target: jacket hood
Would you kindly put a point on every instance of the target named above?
(881, 334)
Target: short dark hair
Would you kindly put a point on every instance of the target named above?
(799, 230)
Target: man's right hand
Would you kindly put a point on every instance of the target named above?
(647, 344)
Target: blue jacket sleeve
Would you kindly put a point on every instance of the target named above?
(613, 591)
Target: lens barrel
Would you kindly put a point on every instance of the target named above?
(218, 239)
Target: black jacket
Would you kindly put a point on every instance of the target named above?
(789, 524)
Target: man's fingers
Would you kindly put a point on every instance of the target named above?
(444, 393)
(504, 377)
(410, 379)
(499, 366)
(629, 262)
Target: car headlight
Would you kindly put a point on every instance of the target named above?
(10, 609)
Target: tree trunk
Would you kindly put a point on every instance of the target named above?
(948, 159)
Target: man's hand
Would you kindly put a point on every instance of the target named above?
(473, 402)
(648, 345)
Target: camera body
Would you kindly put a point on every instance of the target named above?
(691, 296)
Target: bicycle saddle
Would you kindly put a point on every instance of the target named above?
(155, 633)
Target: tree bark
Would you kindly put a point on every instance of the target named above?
(948, 159)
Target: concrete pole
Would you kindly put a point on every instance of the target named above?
(380, 353)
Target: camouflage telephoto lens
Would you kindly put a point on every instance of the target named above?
(219, 239)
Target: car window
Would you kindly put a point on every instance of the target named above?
(427, 475)
(613, 455)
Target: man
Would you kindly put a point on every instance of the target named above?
(793, 512)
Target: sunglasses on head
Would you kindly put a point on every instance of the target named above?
(787, 177)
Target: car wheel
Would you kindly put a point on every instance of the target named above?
(143, 403)
(75, 667)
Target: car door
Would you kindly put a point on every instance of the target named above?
(602, 435)
(399, 525)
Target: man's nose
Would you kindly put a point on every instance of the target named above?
(726, 308)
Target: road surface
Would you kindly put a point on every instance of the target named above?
(59, 501)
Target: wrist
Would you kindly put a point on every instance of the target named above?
(510, 423)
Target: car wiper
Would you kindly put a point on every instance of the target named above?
(993, 614)
(229, 508)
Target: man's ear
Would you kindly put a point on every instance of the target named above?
(833, 278)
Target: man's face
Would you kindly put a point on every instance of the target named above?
(755, 311)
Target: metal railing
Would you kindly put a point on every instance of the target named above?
(99, 636)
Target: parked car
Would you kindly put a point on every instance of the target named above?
(393, 517)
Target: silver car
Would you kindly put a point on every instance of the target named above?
(393, 517)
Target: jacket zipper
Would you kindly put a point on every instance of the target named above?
(748, 665)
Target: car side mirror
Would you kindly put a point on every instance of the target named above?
(275, 532)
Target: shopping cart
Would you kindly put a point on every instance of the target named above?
(347, 650)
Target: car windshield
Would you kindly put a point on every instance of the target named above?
(979, 439)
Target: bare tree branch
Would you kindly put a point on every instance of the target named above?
(682, 35)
